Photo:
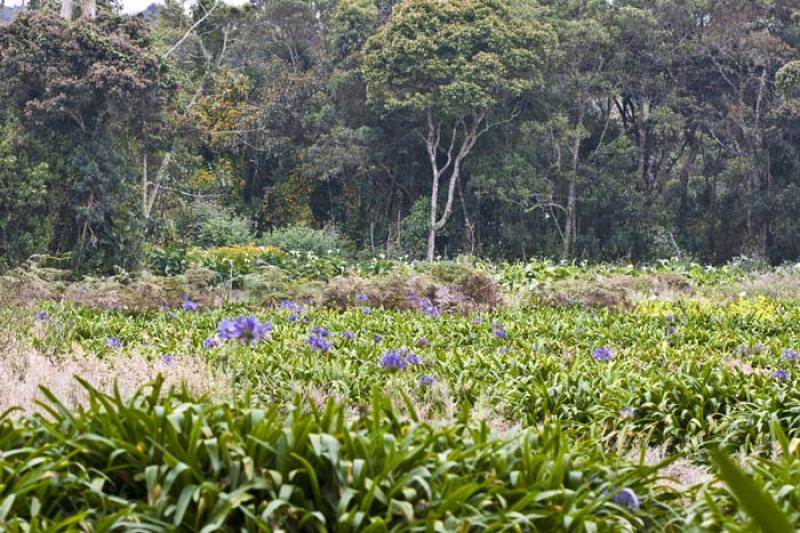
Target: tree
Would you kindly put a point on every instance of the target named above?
(90, 93)
(456, 69)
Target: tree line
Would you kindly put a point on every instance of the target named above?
(578, 129)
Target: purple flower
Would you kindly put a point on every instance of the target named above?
(167, 359)
(604, 353)
(790, 354)
(211, 342)
(742, 349)
(42, 315)
(626, 498)
(500, 333)
(248, 329)
(627, 412)
(291, 305)
(365, 310)
(427, 307)
(165, 308)
(781, 374)
(427, 381)
(377, 337)
(320, 331)
(349, 334)
(392, 361)
(422, 341)
(189, 305)
(114, 342)
(670, 318)
(671, 330)
(361, 297)
(318, 343)
(413, 359)
(293, 318)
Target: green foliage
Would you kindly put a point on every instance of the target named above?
(168, 461)
(216, 226)
(459, 56)
(303, 239)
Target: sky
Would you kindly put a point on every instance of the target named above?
(132, 6)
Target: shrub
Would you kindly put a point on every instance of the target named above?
(321, 242)
(218, 226)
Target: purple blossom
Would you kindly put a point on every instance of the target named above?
(377, 337)
(413, 359)
(500, 333)
(365, 310)
(167, 359)
(361, 297)
(320, 331)
(189, 305)
(42, 315)
(293, 318)
(392, 361)
(318, 343)
(422, 341)
(211, 342)
(427, 307)
(427, 381)
(349, 334)
(671, 330)
(781, 374)
(291, 305)
(604, 353)
(626, 498)
(165, 308)
(670, 318)
(627, 412)
(114, 342)
(790, 355)
(248, 329)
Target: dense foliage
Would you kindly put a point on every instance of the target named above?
(393, 400)
(592, 130)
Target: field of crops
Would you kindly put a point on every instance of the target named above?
(564, 398)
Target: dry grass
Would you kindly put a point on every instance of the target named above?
(681, 474)
(24, 370)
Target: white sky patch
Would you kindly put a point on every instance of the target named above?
(136, 6)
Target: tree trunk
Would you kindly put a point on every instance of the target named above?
(570, 232)
(89, 9)
(66, 9)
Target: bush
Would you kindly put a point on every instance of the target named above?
(218, 226)
(304, 239)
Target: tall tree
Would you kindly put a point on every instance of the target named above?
(456, 68)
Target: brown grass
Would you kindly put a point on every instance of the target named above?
(24, 370)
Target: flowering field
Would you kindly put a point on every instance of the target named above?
(291, 415)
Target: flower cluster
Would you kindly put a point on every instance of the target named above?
(626, 498)
(427, 307)
(114, 342)
(500, 333)
(211, 342)
(790, 355)
(604, 353)
(427, 381)
(318, 341)
(189, 305)
(167, 359)
(394, 360)
(42, 315)
(781, 374)
(349, 334)
(247, 329)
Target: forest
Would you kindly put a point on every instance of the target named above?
(590, 130)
